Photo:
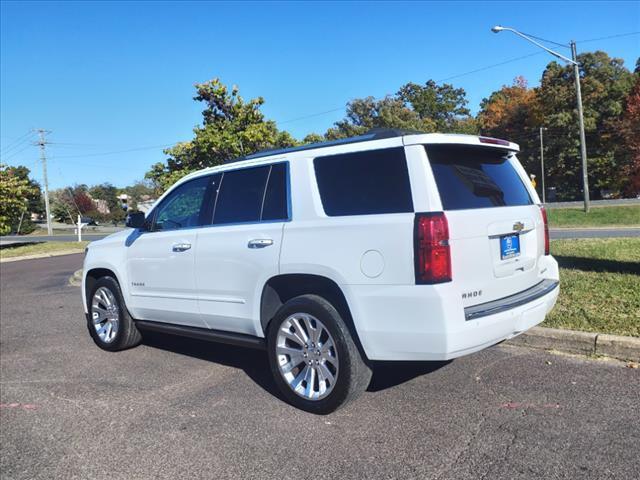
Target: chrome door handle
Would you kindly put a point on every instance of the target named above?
(181, 247)
(260, 243)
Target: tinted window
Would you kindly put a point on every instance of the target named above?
(475, 177)
(364, 183)
(275, 198)
(240, 195)
(182, 207)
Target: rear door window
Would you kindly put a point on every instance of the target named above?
(240, 195)
(470, 177)
(252, 195)
(364, 183)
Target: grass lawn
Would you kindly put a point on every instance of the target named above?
(597, 217)
(38, 248)
(599, 285)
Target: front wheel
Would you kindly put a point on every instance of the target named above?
(108, 321)
(313, 358)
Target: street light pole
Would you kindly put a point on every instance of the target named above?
(544, 199)
(583, 141)
(576, 72)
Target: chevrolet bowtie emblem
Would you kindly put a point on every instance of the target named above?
(518, 226)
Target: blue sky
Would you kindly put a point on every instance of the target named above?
(118, 76)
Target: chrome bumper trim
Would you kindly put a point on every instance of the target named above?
(512, 301)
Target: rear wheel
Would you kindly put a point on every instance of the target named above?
(108, 321)
(313, 357)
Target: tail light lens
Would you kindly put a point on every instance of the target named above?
(431, 248)
(546, 229)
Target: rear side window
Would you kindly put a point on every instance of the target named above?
(471, 177)
(252, 195)
(364, 183)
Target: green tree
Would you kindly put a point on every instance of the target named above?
(231, 128)
(442, 107)
(512, 113)
(107, 192)
(363, 114)
(15, 194)
(605, 84)
(423, 108)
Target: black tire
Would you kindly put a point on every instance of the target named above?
(354, 374)
(128, 334)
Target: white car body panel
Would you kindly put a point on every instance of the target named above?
(219, 283)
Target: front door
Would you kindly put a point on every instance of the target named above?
(160, 262)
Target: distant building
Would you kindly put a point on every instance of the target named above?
(101, 206)
(146, 205)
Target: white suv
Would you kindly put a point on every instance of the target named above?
(387, 246)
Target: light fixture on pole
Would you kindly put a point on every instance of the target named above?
(576, 73)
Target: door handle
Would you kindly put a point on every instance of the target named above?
(181, 247)
(260, 243)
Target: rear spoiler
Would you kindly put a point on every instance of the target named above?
(454, 138)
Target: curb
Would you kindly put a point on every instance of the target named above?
(40, 255)
(583, 343)
(75, 280)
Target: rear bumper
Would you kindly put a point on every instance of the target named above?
(416, 323)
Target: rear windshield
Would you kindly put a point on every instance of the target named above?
(475, 177)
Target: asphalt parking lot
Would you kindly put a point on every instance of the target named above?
(177, 408)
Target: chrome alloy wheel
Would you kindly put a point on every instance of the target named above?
(105, 314)
(307, 356)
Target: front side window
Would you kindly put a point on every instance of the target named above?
(182, 208)
(364, 183)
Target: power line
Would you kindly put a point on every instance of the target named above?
(17, 140)
(437, 81)
(9, 150)
(547, 41)
(607, 38)
(14, 153)
(117, 151)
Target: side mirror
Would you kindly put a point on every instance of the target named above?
(135, 220)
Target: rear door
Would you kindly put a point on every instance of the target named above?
(240, 250)
(495, 227)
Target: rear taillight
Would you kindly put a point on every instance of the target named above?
(431, 248)
(546, 229)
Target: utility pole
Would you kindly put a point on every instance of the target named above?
(583, 141)
(43, 157)
(544, 200)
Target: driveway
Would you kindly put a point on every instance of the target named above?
(177, 408)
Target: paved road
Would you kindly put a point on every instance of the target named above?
(595, 203)
(175, 408)
(555, 233)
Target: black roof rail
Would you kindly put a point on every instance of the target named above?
(373, 134)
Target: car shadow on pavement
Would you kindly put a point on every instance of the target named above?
(253, 362)
(598, 265)
(390, 374)
(256, 365)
